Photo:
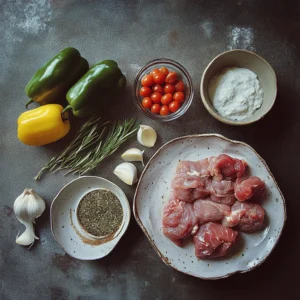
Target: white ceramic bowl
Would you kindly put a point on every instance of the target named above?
(241, 59)
(153, 192)
(65, 226)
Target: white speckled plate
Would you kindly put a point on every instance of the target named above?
(153, 191)
(64, 224)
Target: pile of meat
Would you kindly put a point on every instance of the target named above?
(210, 197)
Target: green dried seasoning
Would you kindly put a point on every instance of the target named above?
(100, 212)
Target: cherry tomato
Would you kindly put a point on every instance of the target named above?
(147, 80)
(179, 86)
(145, 91)
(156, 97)
(155, 108)
(178, 96)
(171, 77)
(154, 71)
(164, 110)
(158, 88)
(159, 78)
(166, 99)
(169, 88)
(146, 102)
(174, 106)
(164, 70)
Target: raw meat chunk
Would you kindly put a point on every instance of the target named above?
(248, 187)
(188, 189)
(193, 168)
(209, 211)
(191, 174)
(221, 188)
(200, 193)
(190, 195)
(228, 200)
(240, 167)
(222, 191)
(179, 220)
(185, 195)
(246, 216)
(183, 181)
(190, 180)
(213, 240)
(226, 167)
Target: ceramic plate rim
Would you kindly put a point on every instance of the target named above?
(163, 258)
(126, 223)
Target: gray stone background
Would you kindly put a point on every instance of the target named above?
(132, 33)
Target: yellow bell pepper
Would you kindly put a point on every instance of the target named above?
(42, 125)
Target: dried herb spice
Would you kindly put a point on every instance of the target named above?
(100, 213)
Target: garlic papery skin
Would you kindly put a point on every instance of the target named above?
(133, 154)
(27, 207)
(146, 136)
(127, 172)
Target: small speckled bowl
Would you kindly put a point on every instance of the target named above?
(66, 229)
(241, 59)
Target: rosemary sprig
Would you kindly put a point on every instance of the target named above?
(91, 146)
(85, 129)
(120, 133)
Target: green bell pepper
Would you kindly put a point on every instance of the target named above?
(98, 86)
(52, 81)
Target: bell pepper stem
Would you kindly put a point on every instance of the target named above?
(66, 109)
(29, 102)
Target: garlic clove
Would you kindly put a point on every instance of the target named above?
(27, 207)
(133, 154)
(146, 136)
(127, 172)
(27, 237)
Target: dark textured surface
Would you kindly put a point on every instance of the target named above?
(134, 32)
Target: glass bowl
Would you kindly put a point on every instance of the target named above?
(184, 76)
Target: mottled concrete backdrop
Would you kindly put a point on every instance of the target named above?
(132, 33)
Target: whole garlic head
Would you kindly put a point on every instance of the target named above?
(27, 207)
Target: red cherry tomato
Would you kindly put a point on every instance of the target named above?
(155, 108)
(166, 99)
(171, 77)
(158, 88)
(146, 102)
(169, 88)
(147, 80)
(156, 97)
(164, 110)
(145, 91)
(159, 78)
(164, 70)
(179, 86)
(154, 71)
(178, 96)
(174, 106)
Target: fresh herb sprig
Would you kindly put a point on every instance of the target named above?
(91, 146)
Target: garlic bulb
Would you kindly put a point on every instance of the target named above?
(146, 136)
(27, 207)
(127, 172)
(133, 154)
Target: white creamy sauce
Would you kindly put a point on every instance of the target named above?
(236, 93)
